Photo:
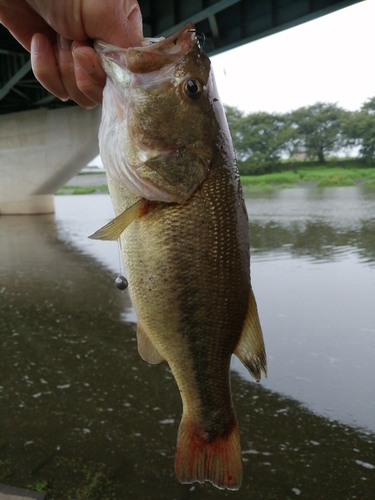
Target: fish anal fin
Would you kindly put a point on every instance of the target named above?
(218, 460)
(114, 229)
(250, 349)
(146, 348)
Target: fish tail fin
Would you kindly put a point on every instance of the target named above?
(218, 461)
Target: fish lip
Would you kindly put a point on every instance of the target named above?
(105, 48)
(145, 58)
(188, 27)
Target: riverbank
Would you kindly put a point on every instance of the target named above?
(307, 177)
(85, 183)
(311, 177)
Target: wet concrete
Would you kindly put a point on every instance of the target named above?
(12, 493)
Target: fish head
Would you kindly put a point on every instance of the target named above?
(158, 130)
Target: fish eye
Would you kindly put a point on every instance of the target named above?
(193, 88)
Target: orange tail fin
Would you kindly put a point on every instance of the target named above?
(218, 461)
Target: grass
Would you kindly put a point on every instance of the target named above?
(5, 470)
(319, 176)
(38, 485)
(274, 177)
(81, 480)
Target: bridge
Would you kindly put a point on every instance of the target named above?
(44, 142)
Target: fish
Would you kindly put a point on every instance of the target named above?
(183, 229)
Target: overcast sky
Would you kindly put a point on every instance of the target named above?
(330, 59)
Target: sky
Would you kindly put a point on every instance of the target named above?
(329, 59)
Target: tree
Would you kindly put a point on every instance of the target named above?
(360, 130)
(319, 128)
(234, 118)
(259, 139)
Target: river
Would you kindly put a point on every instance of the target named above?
(84, 417)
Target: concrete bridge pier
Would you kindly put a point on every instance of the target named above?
(40, 150)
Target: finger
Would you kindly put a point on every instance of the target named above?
(23, 22)
(128, 31)
(45, 66)
(68, 77)
(89, 74)
(117, 22)
(134, 24)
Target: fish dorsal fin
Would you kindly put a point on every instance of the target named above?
(250, 349)
(114, 229)
(146, 348)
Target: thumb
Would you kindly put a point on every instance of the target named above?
(121, 25)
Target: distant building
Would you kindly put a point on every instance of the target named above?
(299, 153)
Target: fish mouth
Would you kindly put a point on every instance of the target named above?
(152, 53)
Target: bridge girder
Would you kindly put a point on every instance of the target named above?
(224, 23)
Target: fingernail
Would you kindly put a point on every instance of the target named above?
(77, 52)
(64, 43)
(38, 44)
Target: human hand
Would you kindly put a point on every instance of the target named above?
(59, 35)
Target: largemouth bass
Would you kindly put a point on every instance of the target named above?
(183, 230)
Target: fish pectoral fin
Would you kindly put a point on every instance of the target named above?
(146, 348)
(250, 349)
(114, 229)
